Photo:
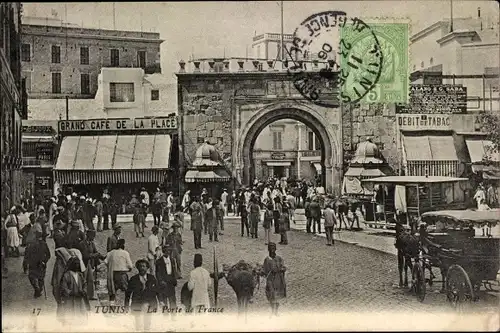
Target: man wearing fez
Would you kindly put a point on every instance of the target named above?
(166, 268)
(197, 217)
(174, 240)
(142, 295)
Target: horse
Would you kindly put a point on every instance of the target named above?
(408, 247)
(243, 278)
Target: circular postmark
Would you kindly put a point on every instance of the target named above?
(349, 48)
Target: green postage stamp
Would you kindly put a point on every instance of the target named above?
(374, 62)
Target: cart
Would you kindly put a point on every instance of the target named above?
(467, 262)
(419, 194)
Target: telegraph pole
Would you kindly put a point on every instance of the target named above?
(282, 37)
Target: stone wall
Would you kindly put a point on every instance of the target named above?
(207, 117)
(377, 121)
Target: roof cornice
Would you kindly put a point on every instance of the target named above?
(455, 34)
(426, 31)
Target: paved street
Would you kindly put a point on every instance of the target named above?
(319, 278)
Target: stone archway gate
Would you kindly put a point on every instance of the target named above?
(229, 109)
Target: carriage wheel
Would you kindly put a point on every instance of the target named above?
(458, 288)
(419, 281)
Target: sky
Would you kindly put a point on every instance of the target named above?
(215, 29)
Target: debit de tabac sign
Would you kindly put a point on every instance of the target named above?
(117, 125)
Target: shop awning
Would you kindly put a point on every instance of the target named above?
(113, 159)
(207, 176)
(38, 138)
(430, 148)
(479, 149)
(281, 163)
(317, 166)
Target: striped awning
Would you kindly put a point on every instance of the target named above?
(207, 176)
(77, 177)
(113, 159)
(363, 172)
(430, 148)
(38, 138)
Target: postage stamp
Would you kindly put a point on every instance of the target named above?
(320, 36)
(392, 83)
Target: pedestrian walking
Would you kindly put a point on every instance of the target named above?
(52, 213)
(139, 220)
(284, 224)
(11, 225)
(119, 264)
(330, 222)
(268, 221)
(112, 242)
(29, 237)
(278, 211)
(113, 211)
(142, 295)
(153, 248)
(166, 268)
(197, 217)
(75, 236)
(99, 212)
(186, 201)
(290, 199)
(244, 220)
(37, 255)
(224, 201)
(174, 241)
(199, 282)
(492, 196)
(315, 211)
(89, 212)
(91, 258)
(212, 219)
(59, 235)
(254, 216)
(274, 270)
(73, 292)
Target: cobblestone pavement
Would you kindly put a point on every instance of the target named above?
(319, 278)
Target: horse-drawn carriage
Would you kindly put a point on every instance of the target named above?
(447, 241)
(415, 195)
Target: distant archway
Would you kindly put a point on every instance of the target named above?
(330, 159)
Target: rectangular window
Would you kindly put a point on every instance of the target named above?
(115, 57)
(26, 52)
(84, 55)
(121, 92)
(155, 95)
(277, 141)
(141, 59)
(317, 143)
(27, 77)
(313, 141)
(310, 140)
(56, 54)
(85, 83)
(56, 83)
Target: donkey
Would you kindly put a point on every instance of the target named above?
(243, 278)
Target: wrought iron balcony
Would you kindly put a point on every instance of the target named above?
(311, 153)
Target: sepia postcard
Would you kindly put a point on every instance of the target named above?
(250, 166)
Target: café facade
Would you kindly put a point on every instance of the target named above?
(119, 155)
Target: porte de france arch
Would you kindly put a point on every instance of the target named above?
(229, 109)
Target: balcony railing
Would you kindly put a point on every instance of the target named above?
(311, 153)
(35, 162)
(433, 168)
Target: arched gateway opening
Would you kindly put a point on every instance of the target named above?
(330, 168)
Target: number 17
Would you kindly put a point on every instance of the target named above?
(37, 311)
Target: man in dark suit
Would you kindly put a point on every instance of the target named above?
(167, 279)
(143, 290)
